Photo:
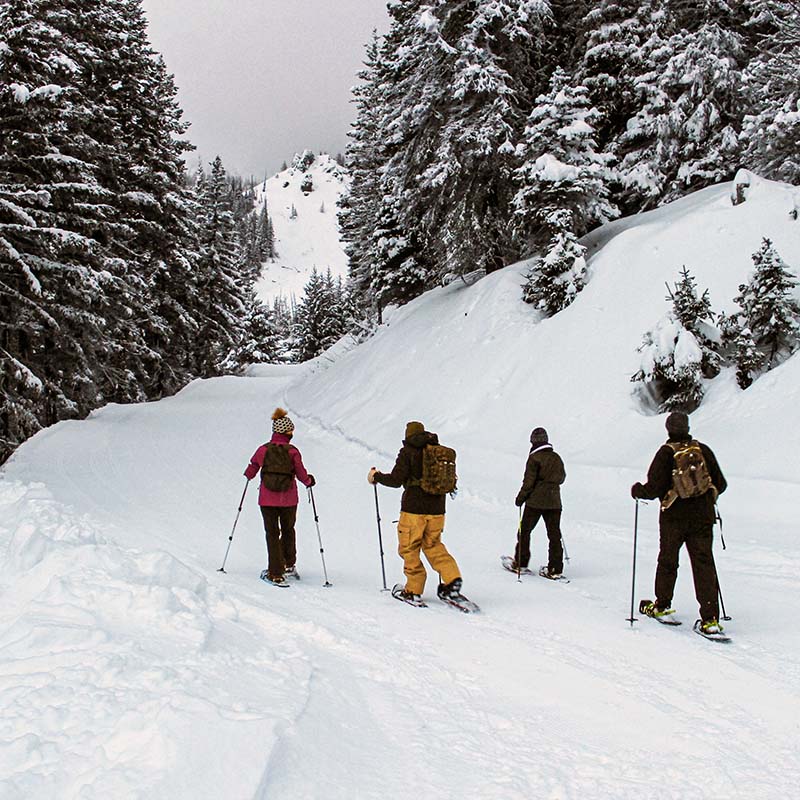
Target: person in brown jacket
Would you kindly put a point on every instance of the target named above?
(421, 519)
(541, 495)
(687, 520)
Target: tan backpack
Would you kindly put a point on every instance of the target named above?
(690, 477)
(438, 469)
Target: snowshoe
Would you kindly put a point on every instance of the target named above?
(510, 564)
(545, 572)
(291, 572)
(711, 629)
(399, 592)
(662, 615)
(450, 593)
(275, 580)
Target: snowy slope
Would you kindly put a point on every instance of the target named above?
(311, 238)
(129, 667)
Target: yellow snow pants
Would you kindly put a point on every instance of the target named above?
(417, 532)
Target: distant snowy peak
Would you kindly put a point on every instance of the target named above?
(302, 202)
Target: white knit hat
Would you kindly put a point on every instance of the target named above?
(281, 423)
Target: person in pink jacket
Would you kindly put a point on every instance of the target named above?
(279, 463)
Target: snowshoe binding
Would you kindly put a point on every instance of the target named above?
(662, 615)
(711, 629)
(551, 575)
(275, 580)
(291, 572)
(399, 592)
(510, 564)
(450, 593)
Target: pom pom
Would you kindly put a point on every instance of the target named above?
(278, 413)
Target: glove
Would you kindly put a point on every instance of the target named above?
(371, 475)
(312, 481)
(520, 501)
(637, 491)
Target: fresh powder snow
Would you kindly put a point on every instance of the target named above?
(306, 227)
(131, 667)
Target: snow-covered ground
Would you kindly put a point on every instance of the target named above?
(130, 667)
(310, 237)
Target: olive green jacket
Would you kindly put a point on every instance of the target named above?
(544, 474)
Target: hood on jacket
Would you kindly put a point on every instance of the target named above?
(421, 439)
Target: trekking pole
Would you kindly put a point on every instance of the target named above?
(631, 618)
(319, 537)
(564, 546)
(519, 547)
(719, 594)
(230, 538)
(719, 519)
(380, 538)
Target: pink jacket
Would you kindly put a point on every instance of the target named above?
(266, 497)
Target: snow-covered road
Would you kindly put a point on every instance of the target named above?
(130, 667)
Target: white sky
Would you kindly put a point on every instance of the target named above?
(262, 79)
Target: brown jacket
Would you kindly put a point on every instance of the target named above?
(407, 467)
(544, 474)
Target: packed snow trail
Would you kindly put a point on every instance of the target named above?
(189, 683)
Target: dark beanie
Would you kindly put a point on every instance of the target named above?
(413, 428)
(539, 436)
(678, 424)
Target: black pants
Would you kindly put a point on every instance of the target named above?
(281, 547)
(552, 521)
(699, 537)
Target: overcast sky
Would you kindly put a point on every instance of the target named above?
(262, 79)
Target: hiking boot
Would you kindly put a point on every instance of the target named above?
(401, 593)
(290, 572)
(652, 610)
(549, 572)
(711, 626)
(450, 590)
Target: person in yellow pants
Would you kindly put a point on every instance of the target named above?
(421, 519)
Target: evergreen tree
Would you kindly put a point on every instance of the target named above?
(555, 278)
(686, 132)
(96, 230)
(219, 279)
(561, 168)
(768, 307)
(680, 351)
(772, 129)
(260, 341)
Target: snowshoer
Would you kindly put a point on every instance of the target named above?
(421, 519)
(541, 495)
(686, 477)
(279, 463)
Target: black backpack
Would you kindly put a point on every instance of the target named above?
(277, 473)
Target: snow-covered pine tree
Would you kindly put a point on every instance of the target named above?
(772, 130)
(358, 206)
(739, 348)
(769, 308)
(560, 169)
(260, 341)
(319, 318)
(556, 277)
(455, 93)
(222, 288)
(614, 32)
(686, 133)
(680, 351)
(97, 236)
